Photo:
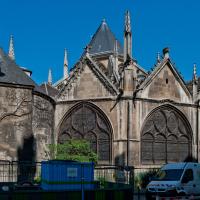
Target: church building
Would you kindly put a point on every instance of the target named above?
(129, 116)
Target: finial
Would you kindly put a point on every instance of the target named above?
(66, 75)
(50, 77)
(104, 20)
(65, 57)
(127, 22)
(116, 48)
(158, 57)
(127, 38)
(11, 52)
(195, 72)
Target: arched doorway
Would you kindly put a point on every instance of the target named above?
(166, 137)
(87, 121)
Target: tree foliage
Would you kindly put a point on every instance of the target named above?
(77, 150)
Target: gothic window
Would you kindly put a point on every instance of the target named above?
(147, 148)
(86, 121)
(91, 137)
(65, 136)
(183, 147)
(166, 137)
(159, 149)
(172, 147)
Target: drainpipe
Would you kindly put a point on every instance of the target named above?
(197, 130)
(129, 128)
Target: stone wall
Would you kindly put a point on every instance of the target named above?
(15, 121)
(166, 85)
(43, 123)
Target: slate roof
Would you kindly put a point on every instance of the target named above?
(103, 40)
(49, 90)
(11, 73)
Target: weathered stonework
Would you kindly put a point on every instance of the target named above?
(131, 112)
(15, 120)
(43, 122)
(129, 116)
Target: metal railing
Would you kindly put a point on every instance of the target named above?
(112, 173)
(14, 171)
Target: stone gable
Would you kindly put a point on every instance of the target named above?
(87, 85)
(166, 85)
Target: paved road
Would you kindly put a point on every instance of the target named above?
(139, 197)
(142, 197)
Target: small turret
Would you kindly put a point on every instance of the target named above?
(11, 52)
(127, 37)
(50, 77)
(158, 58)
(195, 83)
(116, 60)
(65, 74)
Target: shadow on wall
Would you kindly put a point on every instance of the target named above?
(190, 159)
(120, 175)
(26, 160)
(120, 160)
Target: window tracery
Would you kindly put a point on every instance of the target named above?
(165, 137)
(85, 121)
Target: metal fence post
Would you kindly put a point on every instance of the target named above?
(82, 182)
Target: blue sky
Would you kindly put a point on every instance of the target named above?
(43, 28)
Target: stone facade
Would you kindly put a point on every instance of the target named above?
(153, 117)
(152, 124)
(15, 119)
(42, 125)
(24, 117)
(129, 116)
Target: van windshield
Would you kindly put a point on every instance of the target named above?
(170, 174)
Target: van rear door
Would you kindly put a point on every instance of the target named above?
(197, 180)
(188, 182)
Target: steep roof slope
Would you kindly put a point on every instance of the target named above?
(49, 90)
(103, 40)
(11, 73)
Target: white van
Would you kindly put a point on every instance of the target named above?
(176, 179)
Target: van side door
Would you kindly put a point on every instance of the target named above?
(187, 181)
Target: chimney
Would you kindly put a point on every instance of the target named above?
(166, 53)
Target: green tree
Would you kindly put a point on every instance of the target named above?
(74, 149)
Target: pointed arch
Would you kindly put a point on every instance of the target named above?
(171, 136)
(88, 121)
